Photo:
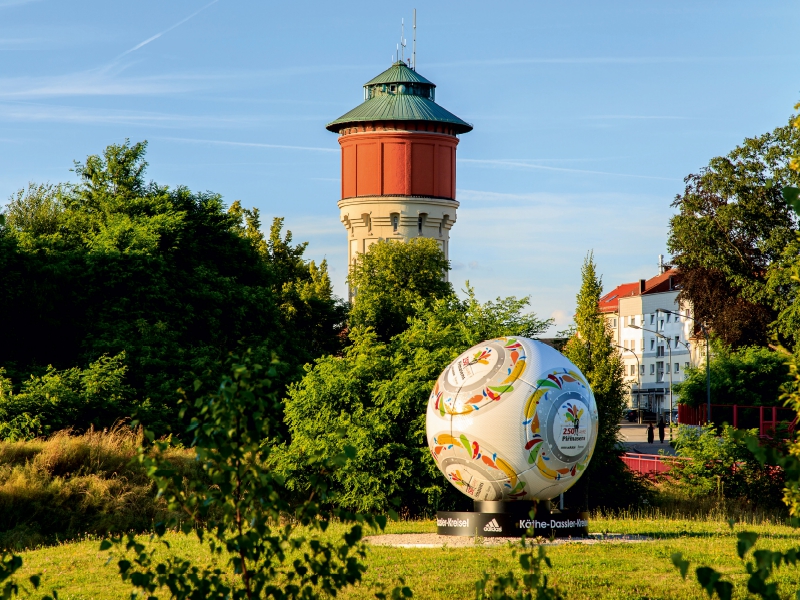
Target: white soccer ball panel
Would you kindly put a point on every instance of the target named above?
(510, 419)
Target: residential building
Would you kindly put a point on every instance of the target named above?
(654, 337)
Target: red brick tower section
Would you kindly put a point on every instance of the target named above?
(388, 159)
(398, 162)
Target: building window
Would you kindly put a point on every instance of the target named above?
(652, 319)
(667, 367)
(668, 317)
(662, 325)
(641, 369)
(633, 370)
(652, 343)
(677, 340)
(652, 369)
(677, 367)
(686, 365)
(613, 322)
(660, 351)
(395, 221)
(420, 222)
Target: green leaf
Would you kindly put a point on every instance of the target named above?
(792, 196)
(105, 545)
(724, 590)
(746, 540)
(681, 564)
(708, 577)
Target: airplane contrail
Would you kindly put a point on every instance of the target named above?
(167, 30)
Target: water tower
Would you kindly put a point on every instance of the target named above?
(398, 162)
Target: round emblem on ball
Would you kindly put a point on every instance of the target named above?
(512, 419)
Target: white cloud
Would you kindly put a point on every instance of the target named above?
(98, 83)
(257, 145)
(636, 117)
(595, 60)
(526, 164)
(10, 3)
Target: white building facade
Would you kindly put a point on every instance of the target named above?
(655, 338)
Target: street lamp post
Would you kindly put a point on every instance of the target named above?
(670, 367)
(638, 379)
(708, 354)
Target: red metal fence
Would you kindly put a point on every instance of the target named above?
(645, 464)
(764, 418)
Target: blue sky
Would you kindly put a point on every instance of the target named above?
(587, 115)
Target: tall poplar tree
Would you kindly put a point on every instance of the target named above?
(607, 482)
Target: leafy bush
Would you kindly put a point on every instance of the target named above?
(722, 465)
(95, 396)
(273, 547)
(377, 393)
(534, 584)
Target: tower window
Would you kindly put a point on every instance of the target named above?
(420, 222)
(395, 221)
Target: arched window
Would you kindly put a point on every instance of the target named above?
(395, 221)
(420, 222)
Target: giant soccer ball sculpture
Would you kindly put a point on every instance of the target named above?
(512, 419)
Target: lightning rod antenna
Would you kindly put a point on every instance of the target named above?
(414, 44)
(403, 41)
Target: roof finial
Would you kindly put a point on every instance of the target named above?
(414, 44)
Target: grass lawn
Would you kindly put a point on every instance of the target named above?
(607, 570)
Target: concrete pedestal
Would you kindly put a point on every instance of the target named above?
(512, 519)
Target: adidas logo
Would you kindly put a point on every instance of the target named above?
(492, 526)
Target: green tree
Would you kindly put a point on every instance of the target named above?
(732, 236)
(763, 562)
(606, 482)
(749, 376)
(390, 277)
(377, 394)
(172, 278)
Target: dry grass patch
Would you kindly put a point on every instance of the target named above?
(68, 485)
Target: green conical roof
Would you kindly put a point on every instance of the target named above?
(399, 94)
(399, 72)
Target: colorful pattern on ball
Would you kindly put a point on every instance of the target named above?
(511, 418)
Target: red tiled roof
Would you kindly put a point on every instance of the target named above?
(660, 283)
(609, 303)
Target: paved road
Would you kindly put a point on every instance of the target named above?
(634, 437)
